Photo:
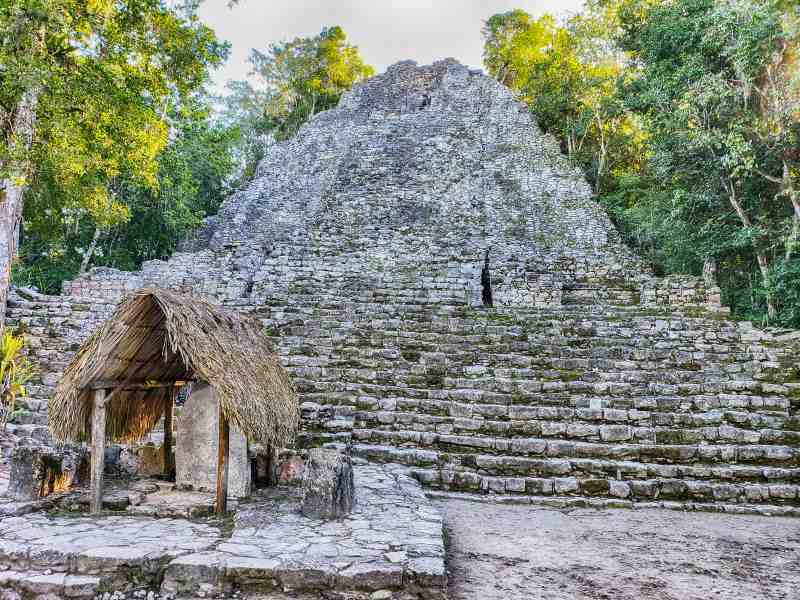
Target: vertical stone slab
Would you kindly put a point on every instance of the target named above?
(328, 487)
(98, 451)
(38, 471)
(198, 442)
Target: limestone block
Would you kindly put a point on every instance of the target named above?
(144, 460)
(328, 487)
(291, 470)
(197, 427)
(38, 471)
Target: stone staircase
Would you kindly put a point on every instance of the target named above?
(624, 403)
(610, 402)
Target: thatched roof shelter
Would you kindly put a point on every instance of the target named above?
(156, 338)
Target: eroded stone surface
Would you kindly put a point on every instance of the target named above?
(516, 552)
(328, 489)
(119, 549)
(392, 540)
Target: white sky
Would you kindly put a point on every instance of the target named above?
(386, 31)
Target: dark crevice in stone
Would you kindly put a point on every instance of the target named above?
(486, 281)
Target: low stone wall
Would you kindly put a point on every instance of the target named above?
(682, 291)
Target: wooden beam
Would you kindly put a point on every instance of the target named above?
(223, 456)
(169, 403)
(98, 451)
(105, 384)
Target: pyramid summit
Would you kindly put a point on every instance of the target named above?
(418, 167)
(448, 295)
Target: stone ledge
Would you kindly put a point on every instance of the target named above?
(48, 585)
(571, 502)
(392, 543)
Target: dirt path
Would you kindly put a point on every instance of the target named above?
(501, 552)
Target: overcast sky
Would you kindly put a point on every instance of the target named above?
(385, 31)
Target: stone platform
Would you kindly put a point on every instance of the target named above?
(390, 547)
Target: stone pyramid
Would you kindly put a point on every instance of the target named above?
(369, 245)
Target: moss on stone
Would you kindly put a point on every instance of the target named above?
(668, 436)
(571, 375)
(410, 355)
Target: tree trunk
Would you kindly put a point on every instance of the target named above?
(87, 257)
(602, 153)
(794, 237)
(710, 272)
(787, 189)
(98, 456)
(763, 263)
(13, 189)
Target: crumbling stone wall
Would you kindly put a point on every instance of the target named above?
(360, 245)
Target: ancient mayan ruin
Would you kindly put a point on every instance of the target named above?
(369, 247)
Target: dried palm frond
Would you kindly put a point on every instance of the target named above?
(162, 337)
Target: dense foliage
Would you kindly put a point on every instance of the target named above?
(194, 174)
(684, 114)
(129, 158)
(100, 82)
(16, 370)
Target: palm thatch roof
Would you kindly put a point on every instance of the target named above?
(156, 337)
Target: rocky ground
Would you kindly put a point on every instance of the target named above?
(511, 552)
(390, 546)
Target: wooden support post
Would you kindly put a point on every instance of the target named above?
(98, 451)
(223, 456)
(271, 478)
(169, 403)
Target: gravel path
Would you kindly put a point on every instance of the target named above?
(509, 552)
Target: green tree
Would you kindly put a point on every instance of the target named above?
(85, 87)
(567, 74)
(195, 172)
(295, 80)
(715, 86)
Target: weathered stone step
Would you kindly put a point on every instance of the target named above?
(529, 424)
(576, 467)
(510, 419)
(755, 412)
(766, 455)
(489, 358)
(573, 502)
(35, 585)
(541, 348)
(561, 336)
(657, 397)
(600, 486)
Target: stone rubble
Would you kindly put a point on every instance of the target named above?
(38, 470)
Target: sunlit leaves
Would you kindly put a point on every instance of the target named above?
(298, 78)
(567, 73)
